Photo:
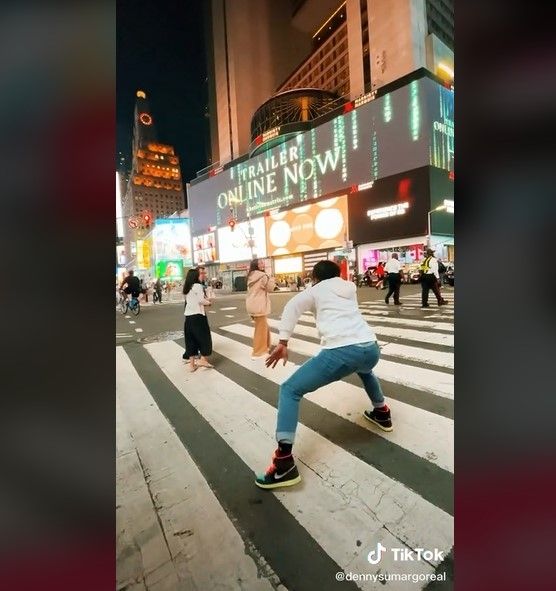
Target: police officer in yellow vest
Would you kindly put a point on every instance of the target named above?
(430, 279)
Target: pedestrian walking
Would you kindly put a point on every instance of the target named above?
(430, 279)
(348, 346)
(380, 275)
(393, 268)
(257, 304)
(198, 340)
(157, 291)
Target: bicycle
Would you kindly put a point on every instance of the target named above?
(132, 305)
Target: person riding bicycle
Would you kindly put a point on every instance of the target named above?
(132, 285)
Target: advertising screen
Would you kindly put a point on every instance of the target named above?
(309, 227)
(172, 240)
(170, 270)
(395, 207)
(408, 128)
(204, 248)
(143, 254)
(235, 245)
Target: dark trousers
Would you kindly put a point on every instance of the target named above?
(158, 294)
(394, 282)
(430, 282)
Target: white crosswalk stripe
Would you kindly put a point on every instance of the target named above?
(391, 512)
(346, 496)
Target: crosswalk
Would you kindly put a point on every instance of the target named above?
(196, 440)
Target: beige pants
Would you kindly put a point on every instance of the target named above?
(261, 338)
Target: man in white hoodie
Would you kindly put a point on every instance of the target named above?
(348, 346)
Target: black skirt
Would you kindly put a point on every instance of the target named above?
(197, 336)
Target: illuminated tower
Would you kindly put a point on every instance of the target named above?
(155, 185)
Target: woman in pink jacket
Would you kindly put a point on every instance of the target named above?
(259, 285)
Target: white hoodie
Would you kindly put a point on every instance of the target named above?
(334, 304)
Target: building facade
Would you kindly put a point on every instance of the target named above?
(154, 188)
(257, 49)
(356, 185)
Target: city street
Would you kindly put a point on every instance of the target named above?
(189, 515)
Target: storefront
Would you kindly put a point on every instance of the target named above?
(410, 250)
(392, 216)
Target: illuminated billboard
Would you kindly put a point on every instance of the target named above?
(405, 129)
(172, 240)
(309, 227)
(170, 270)
(204, 248)
(235, 245)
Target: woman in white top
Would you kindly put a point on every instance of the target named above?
(197, 332)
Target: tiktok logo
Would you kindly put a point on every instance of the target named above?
(375, 556)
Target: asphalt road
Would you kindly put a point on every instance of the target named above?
(165, 321)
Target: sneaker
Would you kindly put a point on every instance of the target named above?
(282, 472)
(381, 418)
(397, 303)
(425, 306)
(442, 302)
(386, 300)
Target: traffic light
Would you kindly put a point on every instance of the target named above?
(147, 219)
(232, 224)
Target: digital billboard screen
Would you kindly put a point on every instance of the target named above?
(394, 207)
(172, 240)
(405, 129)
(309, 227)
(234, 245)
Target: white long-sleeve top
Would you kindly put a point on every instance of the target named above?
(337, 315)
(195, 301)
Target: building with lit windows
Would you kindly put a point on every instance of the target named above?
(257, 50)
(348, 157)
(154, 188)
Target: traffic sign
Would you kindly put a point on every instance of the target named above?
(133, 223)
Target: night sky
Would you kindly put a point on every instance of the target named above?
(161, 50)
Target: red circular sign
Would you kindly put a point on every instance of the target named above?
(133, 224)
(145, 119)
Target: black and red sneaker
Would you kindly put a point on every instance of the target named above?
(282, 472)
(380, 417)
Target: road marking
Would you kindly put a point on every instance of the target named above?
(400, 333)
(358, 498)
(189, 520)
(420, 378)
(229, 315)
(123, 335)
(212, 312)
(424, 433)
(128, 317)
(132, 321)
(138, 330)
(231, 308)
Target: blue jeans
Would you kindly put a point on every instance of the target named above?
(330, 365)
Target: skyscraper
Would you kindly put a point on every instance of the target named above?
(155, 185)
(258, 48)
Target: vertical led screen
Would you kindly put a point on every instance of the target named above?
(172, 240)
(403, 130)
